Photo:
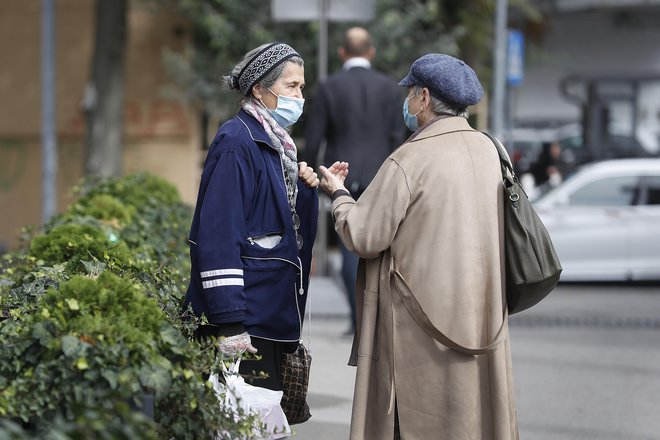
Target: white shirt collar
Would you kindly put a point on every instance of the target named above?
(357, 62)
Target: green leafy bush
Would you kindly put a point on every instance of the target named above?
(23, 282)
(91, 321)
(159, 220)
(74, 243)
(93, 348)
(104, 207)
(93, 345)
(137, 190)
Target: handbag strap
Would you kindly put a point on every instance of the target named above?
(508, 175)
(505, 161)
(408, 297)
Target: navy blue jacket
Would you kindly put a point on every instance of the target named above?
(242, 196)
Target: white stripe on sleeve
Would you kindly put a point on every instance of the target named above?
(219, 272)
(222, 282)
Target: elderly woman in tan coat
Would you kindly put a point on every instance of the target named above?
(432, 344)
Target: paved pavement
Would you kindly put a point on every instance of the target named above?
(579, 316)
(331, 379)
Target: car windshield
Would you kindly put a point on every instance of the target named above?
(546, 194)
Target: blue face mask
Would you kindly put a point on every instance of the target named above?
(410, 120)
(288, 110)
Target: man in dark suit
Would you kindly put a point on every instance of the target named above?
(358, 112)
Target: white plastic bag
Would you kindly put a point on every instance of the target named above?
(251, 400)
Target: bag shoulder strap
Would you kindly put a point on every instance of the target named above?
(508, 176)
(422, 319)
(505, 161)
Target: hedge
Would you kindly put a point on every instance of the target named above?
(91, 325)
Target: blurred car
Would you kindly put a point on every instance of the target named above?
(605, 221)
(526, 145)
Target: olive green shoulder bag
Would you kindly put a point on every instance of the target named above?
(532, 265)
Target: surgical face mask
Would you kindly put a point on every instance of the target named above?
(410, 120)
(288, 109)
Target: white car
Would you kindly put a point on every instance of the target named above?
(605, 221)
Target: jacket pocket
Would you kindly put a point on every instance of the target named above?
(370, 326)
(266, 241)
(272, 309)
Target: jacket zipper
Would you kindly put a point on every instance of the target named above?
(268, 234)
(273, 258)
(300, 292)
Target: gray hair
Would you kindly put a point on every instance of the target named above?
(440, 107)
(268, 80)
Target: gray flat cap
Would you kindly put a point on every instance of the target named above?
(446, 77)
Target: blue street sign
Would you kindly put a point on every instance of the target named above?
(515, 58)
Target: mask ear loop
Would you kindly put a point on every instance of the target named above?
(262, 103)
(273, 92)
(408, 99)
(276, 95)
(259, 99)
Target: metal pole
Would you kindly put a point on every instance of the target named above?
(595, 122)
(499, 76)
(321, 247)
(634, 101)
(323, 38)
(48, 136)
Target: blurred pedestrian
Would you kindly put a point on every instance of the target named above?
(357, 111)
(547, 169)
(431, 347)
(255, 220)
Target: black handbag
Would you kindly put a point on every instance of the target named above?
(295, 381)
(532, 265)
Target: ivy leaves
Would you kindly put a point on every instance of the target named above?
(91, 322)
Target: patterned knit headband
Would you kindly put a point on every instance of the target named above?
(261, 65)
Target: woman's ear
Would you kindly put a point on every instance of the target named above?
(426, 98)
(257, 91)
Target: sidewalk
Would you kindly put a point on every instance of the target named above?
(580, 337)
(327, 299)
(331, 379)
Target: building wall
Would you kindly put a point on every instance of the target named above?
(605, 41)
(160, 134)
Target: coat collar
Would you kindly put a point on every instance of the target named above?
(441, 126)
(254, 128)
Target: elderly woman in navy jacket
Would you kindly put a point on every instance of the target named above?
(255, 218)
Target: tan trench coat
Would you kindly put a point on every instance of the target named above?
(433, 213)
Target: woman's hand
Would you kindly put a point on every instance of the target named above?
(307, 175)
(333, 178)
(236, 345)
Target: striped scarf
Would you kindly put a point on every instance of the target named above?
(281, 141)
